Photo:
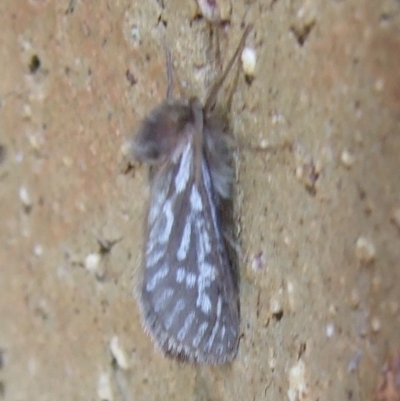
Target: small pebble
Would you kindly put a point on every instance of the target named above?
(92, 262)
(36, 141)
(333, 309)
(118, 353)
(308, 174)
(275, 305)
(375, 324)
(26, 111)
(291, 296)
(126, 148)
(249, 60)
(365, 250)
(330, 330)
(25, 197)
(135, 34)
(347, 158)
(38, 250)
(209, 9)
(272, 358)
(277, 118)
(263, 144)
(258, 261)
(298, 387)
(287, 240)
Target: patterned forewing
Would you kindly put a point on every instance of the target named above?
(189, 300)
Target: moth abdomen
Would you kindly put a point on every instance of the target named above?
(219, 155)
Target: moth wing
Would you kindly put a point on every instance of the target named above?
(189, 298)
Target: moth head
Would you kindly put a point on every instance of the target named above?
(161, 131)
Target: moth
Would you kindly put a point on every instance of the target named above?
(189, 297)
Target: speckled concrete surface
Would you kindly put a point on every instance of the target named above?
(319, 220)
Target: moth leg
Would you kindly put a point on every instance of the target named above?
(232, 90)
(212, 96)
(168, 62)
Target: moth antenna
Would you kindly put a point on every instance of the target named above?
(168, 61)
(211, 99)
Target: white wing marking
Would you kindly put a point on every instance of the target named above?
(207, 275)
(200, 334)
(160, 301)
(186, 326)
(161, 229)
(157, 277)
(203, 240)
(204, 302)
(179, 306)
(195, 200)
(183, 174)
(180, 274)
(185, 241)
(190, 280)
(153, 256)
(167, 210)
(210, 341)
(223, 331)
(220, 349)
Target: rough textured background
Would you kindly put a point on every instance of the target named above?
(319, 314)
